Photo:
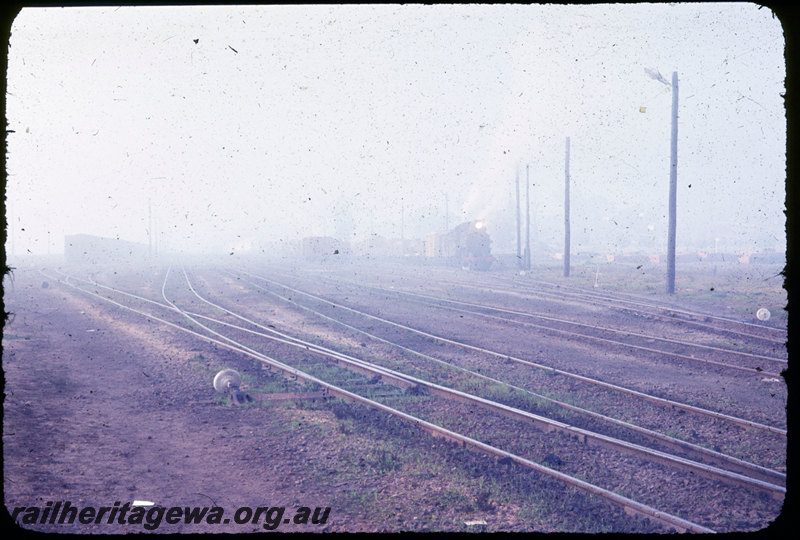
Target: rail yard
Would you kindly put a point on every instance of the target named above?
(402, 397)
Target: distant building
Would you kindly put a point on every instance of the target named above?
(436, 245)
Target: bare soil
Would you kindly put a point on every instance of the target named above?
(103, 406)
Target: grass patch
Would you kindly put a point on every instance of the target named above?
(410, 481)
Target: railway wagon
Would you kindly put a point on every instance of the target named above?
(468, 245)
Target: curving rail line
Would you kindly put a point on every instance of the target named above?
(697, 452)
(575, 323)
(630, 506)
(754, 371)
(596, 382)
(562, 294)
(404, 381)
(610, 298)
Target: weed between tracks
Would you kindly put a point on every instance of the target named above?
(457, 379)
(392, 473)
(388, 471)
(254, 380)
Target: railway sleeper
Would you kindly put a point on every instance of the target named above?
(465, 441)
(629, 506)
(290, 396)
(776, 492)
(388, 379)
(586, 437)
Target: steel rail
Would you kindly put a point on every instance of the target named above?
(754, 371)
(736, 465)
(559, 296)
(594, 327)
(596, 382)
(545, 424)
(289, 340)
(616, 297)
(542, 423)
(630, 506)
(748, 470)
(354, 364)
(584, 325)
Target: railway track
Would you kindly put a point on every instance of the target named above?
(653, 337)
(646, 306)
(694, 452)
(506, 357)
(405, 381)
(402, 380)
(526, 292)
(642, 307)
(595, 333)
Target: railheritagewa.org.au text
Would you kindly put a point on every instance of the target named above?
(151, 518)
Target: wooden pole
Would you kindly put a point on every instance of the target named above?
(402, 228)
(149, 229)
(446, 213)
(673, 189)
(527, 218)
(566, 211)
(519, 247)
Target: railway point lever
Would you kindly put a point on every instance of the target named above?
(228, 380)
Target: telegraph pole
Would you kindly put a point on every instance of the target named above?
(519, 247)
(527, 217)
(673, 176)
(673, 189)
(566, 211)
(149, 229)
(446, 213)
(402, 228)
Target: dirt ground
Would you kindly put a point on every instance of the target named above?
(99, 410)
(103, 407)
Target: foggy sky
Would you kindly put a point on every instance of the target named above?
(246, 124)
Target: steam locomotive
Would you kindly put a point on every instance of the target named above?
(468, 245)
